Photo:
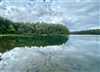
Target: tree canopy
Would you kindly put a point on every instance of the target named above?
(91, 31)
(10, 27)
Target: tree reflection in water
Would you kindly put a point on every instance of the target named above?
(9, 42)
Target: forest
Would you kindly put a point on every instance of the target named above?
(91, 31)
(9, 27)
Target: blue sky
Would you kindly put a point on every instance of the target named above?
(75, 14)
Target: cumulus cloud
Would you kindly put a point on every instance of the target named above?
(75, 14)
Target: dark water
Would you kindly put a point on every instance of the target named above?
(74, 53)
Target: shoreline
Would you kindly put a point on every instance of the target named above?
(31, 35)
(40, 35)
(9, 35)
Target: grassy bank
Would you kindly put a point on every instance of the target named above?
(32, 35)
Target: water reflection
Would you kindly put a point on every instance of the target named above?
(75, 55)
(10, 42)
(90, 38)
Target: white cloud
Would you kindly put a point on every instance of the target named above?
(75, 14)
(39, 11)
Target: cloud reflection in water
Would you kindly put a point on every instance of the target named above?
(75, 55)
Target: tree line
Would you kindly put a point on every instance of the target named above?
(91, 31)
(10, 27)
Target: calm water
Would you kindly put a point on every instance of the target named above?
(75, 53)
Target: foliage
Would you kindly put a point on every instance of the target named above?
(92, 31)
(10, 27)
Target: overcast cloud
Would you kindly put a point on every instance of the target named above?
(75, 14)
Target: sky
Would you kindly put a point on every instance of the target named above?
(74, 14)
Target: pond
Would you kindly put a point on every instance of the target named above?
(73, 53)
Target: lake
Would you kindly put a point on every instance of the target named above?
(73, 53)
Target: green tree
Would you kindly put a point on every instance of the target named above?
(11, 29)
(20, 31)
(2, 29)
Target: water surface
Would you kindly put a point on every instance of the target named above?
(74, 53)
